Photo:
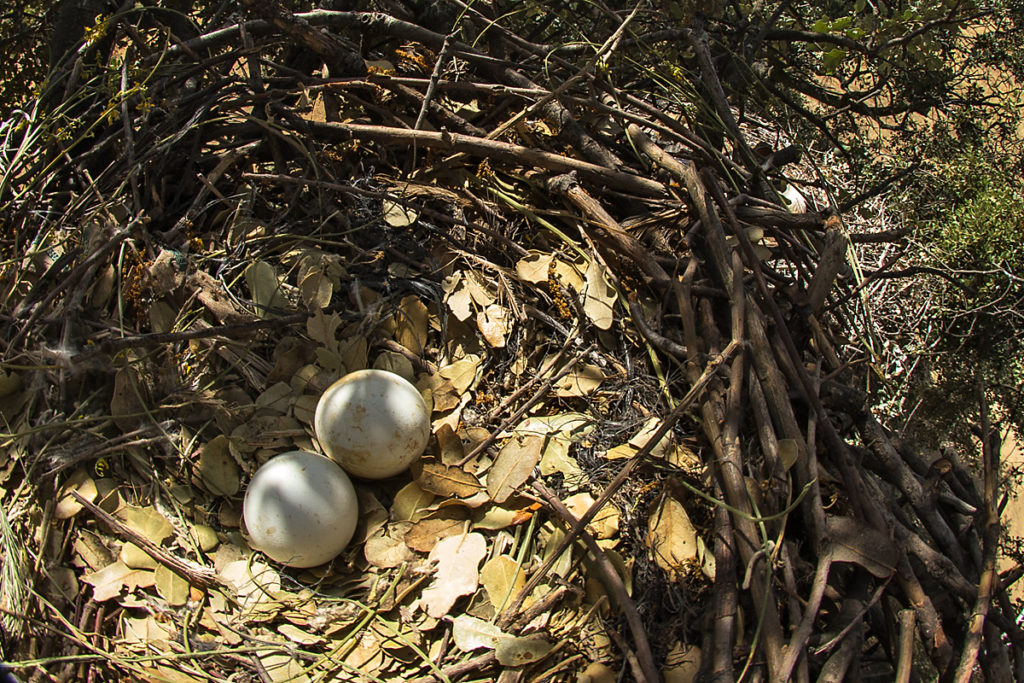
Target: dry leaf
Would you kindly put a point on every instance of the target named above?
(449, 445)
(789, 452)
(265, 288)
(409, 501)
(851, 540)
(470, 633)
(316, 290)
(447, 480)
(682, 664)
(255, 583)
(128, 402)
(283, 668)
(354, 353)
(556, 459)
(172, 587)
(494, 323)
(217, 468)
(297, 635)
(386, 548)
(134, 557)
(412, 322)
(672, 537)
(458, 298)
(583, 380)
(596, 672)
(534, 267)
(81, 483)
(604, 525)
(522, 651)
(513, 466)
(598, 297)
(397, 215)
(457, 559)
(323, 328)
(461, 373)
(108, 582)
(424, 534)
(147, 522)
(478, 289)
(503, 579)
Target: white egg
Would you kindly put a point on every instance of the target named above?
(300, 509)
(373, 423)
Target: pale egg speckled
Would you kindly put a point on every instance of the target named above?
(373, 423)
(300, 509)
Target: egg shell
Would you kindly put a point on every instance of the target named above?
(373, 423)
(300, 509)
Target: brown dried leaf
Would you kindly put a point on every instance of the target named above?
(851, 540)
(502, 578)
(448, 480)
(598, 296)
(265, 288)
(583, 380)
(494, 323)
(147, 522)
(409, 501)
(424, 534)
(171, 586)
(412, 324)
(672, 537)
(323, 329)
(218, 469)
(386, 548)
(604, 525)
(81, 483)
(449, 445)
(457, 559)
(534, 267)
(513, 466)
(521, 651)
(108, 582)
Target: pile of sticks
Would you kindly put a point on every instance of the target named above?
(847, 551)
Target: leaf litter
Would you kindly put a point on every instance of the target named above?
(552, 349)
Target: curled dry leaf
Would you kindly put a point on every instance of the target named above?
(457, 559)
(81, 483)
(409, 501)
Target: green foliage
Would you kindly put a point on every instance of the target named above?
(23, 66)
